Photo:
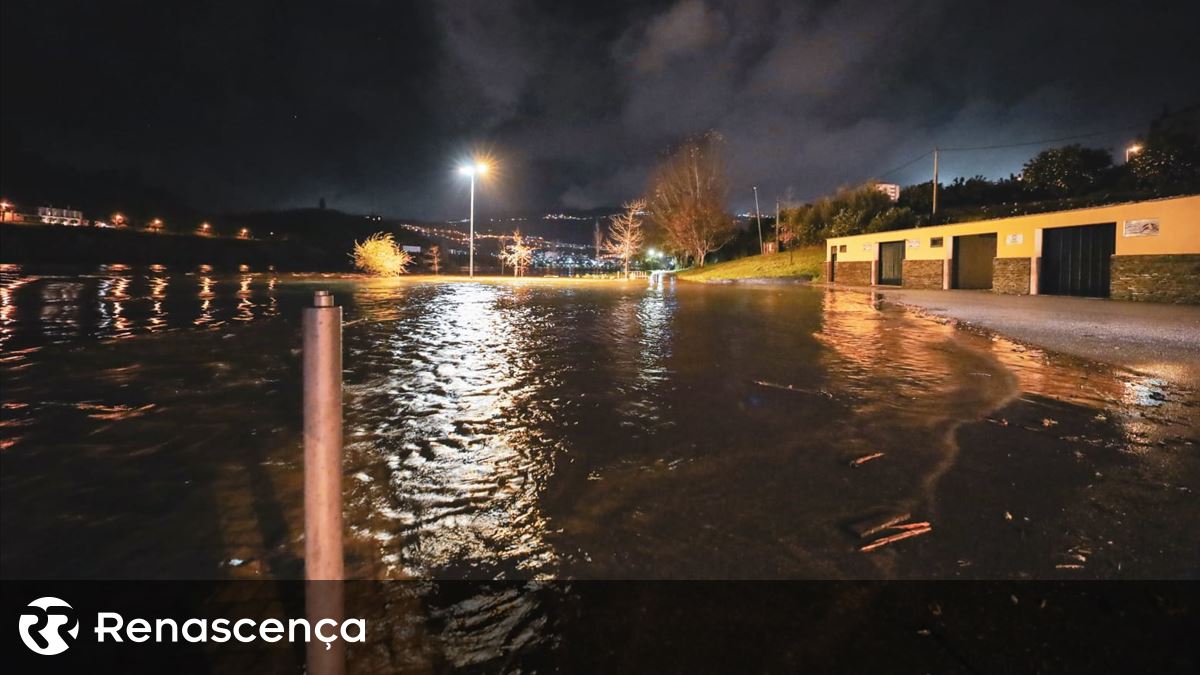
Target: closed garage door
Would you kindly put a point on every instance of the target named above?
(1077, 260)
(891, 262)
(973, 259)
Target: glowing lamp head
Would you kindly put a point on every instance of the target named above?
(476, 169)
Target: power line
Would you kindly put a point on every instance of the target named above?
(910, 162)
(1043, 141)
(1060, 139)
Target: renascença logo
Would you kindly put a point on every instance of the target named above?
(46, 624)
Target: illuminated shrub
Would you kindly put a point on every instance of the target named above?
(381, 256)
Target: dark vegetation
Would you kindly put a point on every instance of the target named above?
(1072, 176)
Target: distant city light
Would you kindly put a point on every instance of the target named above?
(1132, 150)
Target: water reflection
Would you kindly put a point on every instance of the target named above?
(570, 430)
(51, 305)
(436, 408)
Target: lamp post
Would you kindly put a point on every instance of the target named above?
(758, 216)
(1131, 151)
(472, 170)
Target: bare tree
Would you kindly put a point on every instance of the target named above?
(625, 236)
(785, 235)
(687, 198)
(434, 257)
(517, 254)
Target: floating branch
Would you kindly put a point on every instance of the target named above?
(891, 539)
(865, 458)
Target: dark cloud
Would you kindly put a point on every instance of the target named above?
(370, 104)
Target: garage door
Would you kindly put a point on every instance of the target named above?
(891, 263)
(1077, 260)
(973, 259)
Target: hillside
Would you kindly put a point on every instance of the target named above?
(802, 262)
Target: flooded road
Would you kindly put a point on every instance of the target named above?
(582, 430)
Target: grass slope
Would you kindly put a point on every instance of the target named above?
(806, 261)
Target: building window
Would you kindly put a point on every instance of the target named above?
(833, 249)
(842, 248)
(935, 242)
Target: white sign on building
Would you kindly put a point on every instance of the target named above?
(1013, 239)
(1141, 228)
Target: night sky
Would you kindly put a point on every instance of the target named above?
(248, 105)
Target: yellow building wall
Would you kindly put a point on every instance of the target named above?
(1178, 220)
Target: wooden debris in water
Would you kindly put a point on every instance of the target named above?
(865, 458)
(893, 538)
(877, 524)
(789, 387)
(910, 526)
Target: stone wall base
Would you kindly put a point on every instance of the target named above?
(922, 274)
(853, 273)
(1156, 278)
(1010, 276)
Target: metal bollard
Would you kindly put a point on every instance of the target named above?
(323, 556)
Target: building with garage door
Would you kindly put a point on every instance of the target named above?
(1137, 251)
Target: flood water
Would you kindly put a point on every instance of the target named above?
(582, 430)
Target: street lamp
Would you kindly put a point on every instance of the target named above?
(758, 216)
(472, 170)
(1132, 150)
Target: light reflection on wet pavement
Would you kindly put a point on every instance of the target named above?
(151, 422)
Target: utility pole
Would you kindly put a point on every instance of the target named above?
(758, 215)
(935, 182)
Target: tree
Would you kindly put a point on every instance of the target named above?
(1169, 161)
(517, 254)
(847, 212)
(1069, 171)
(687, 198)
(625, 236)
(785, 234)
(434, 257)
(379, 254)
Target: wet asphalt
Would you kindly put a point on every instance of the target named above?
(1151, 338)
